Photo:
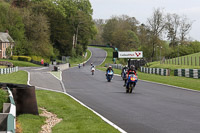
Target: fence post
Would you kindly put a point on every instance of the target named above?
(195, 61)
(191, 60)
(184, 60)
(175, 61)
(187, 60)
(178, 61)
(181, 60)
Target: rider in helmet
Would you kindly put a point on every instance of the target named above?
(131, 70)
(109, 69)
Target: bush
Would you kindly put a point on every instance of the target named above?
(39, 58)
(14, 57)
(3, 98)
(24, 58)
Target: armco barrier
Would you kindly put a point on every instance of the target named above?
(8, 117)
(190, 73)
(159, 71)
(8, 70)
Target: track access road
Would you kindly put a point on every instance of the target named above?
(153, 108)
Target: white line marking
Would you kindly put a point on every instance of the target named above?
(40, 68)
(187, 89)
(29, 77)
(103, 118)
(104, 58)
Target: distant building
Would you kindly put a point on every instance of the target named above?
(5, 42)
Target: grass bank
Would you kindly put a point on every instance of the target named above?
(80, 59)
(76, 118)
(21, 63)
(3, 98)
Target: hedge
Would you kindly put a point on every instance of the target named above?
(24, 58)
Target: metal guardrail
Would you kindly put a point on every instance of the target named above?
(8, 70)
(8, 117)
(159, 71)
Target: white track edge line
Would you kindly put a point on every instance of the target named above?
(102, 117)
(182, 88)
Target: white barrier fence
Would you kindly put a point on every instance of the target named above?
(8, 70)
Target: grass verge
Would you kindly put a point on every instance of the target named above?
(80, 59)
(21, 63)
(19, 77)
(76, 118)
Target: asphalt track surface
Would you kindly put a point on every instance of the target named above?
(153, 108)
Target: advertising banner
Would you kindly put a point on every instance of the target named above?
(130, 54)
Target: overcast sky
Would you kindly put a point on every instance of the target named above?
(143, 9)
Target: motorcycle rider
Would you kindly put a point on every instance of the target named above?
(124, 70)
(131, 70)
(109, 69)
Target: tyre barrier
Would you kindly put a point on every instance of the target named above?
(190, 73)
(8, 117)
(8, 70)
(116, 66)
(159, 71)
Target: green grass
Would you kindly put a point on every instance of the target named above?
(3, 98)
(19, 77)
(57, 74)
(80, 59)
(21, 63)
(3, 66)
(76, 118)
(31, 123)
(184, 62)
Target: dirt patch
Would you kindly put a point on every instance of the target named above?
(51, 121)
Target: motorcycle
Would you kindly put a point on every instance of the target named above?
(131, 83)
(93, 69)
(109, 75)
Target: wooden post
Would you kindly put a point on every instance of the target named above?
(191, 60)
(187, 60)
(199, 60)
(184, 60)
(178, 61)
(175, 61)
(195, 61)
(181, 60)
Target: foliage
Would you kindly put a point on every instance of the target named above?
(11, 20)
(24, 58)
(39, 58)
(8, 52)
(14, 57)
(3, 98)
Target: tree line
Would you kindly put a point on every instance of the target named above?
(48, 28)
(163, 33)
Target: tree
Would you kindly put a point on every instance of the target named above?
(185, 27)
(172, 27)
(156, 25)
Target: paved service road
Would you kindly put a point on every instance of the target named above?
(42, 79)
(152, 108)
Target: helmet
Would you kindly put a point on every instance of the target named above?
(91, 64)
(110, 67)
(132, 67)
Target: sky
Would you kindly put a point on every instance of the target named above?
(143, 9)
